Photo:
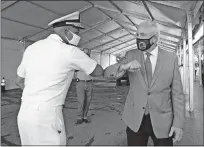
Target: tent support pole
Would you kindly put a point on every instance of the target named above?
(191, 61)
(200, 67)
(184, 64)
(109, 59)
(100, 58)
(180, 52)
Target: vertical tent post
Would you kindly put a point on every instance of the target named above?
(23, 41)
(109, 59)
(200, 66)
(177, 53)
(184, 63)
(101, 58)
(191, 61)
(180, 52)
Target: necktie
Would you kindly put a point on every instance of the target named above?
(148, 68)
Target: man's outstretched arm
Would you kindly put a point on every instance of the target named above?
(117, 70)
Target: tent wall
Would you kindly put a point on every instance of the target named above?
(104, 60)
(95, 56)
(12, 52)
(113, 59)
(107, 59)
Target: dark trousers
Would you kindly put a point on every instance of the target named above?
(3, 89)
(84, 96)
(141, 137)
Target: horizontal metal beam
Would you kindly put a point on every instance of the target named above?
(166, 34)
(105, 34)
(118, 45)
(124, 22)
(16, 39)
(33, 3)
(168, 4)
(60, 14)
(95, 52)
(170, 35)
(108, 17)
(167, 40)
(146, 7)
(123, 51)
(29, 36)
(109, 42)
(40, 6)
(108, 35)
(85, 8)
(170, 45)
(124, 48)
(161, 32)
(197, 8)
(9, 38)
(167, 49)
(116, 21)
(164, 48)
(144, 17)
(167, 44)
(7, 4)
(96, 25)
(108, 32)
(120, 10)
(22, 23)
(163, 45)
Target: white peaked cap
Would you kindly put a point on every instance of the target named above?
(72, 19)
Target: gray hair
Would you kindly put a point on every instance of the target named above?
(152, 25)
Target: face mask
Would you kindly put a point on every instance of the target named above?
(144, 44)
(75, 39)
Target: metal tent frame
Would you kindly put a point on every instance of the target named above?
(110, 25)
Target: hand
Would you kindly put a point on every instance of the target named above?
(133, 66)
(177, 132)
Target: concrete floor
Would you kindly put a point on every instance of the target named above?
(106, 126)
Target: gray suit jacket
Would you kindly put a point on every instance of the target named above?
(165, 96)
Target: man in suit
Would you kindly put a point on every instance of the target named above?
(155, 103)
(84, 93)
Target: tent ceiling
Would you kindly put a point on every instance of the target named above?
(110, 25)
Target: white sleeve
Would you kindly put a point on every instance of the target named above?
(80, 61)
(21, 72)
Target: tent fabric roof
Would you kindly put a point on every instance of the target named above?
(110, 25)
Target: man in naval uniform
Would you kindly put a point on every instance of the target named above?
(44, 75)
